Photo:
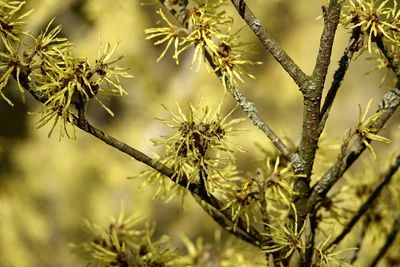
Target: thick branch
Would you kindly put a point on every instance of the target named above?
(270, 44)
(368, 203)
(313, 92)
(311, 112)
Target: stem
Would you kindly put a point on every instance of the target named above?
(311, 112)
(331, 21)
(360, 240)
(313, 92)
(270, 44)
(393, 62)
(338, 77)
(387, 107)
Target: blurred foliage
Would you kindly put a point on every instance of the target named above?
(48, 187)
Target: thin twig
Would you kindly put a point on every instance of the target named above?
(338, 77)
(393, 62)
(389, 241)
(360, 239)
(387, 107)
(226, 224)
(250, 110)
(368, 203)
(270, 44)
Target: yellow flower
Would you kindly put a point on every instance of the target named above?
(365, 130)
(374, 20)
(169, 34)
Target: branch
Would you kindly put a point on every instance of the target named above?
(368, 203)
(312, 93)
(352, 47)
(228, 225)
(253, 237)
(331, 20)
(387, 107)
(393, 62)
(270, 44)
(389, 241)
(182, 181)
(360, 240)
(311, 112)
(82, 123)
(251, 112)
(247, 106)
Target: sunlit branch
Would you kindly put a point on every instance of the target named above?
(270, 44)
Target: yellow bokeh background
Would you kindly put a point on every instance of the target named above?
(47, 186)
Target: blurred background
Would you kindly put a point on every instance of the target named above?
(47, 186)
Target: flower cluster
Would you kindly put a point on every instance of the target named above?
(375, 19)
(50, 72)
(366, 131)
(243, 202)
(61, 78)
(11, 21)
(11, 30)
(270, 192)
(223, 253)
(198, 148)
(287, 237)
(207, 28)
(125, 242)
